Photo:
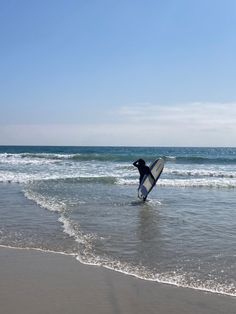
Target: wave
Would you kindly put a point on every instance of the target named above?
(62, 157)
(9, 177)
(16, 159)
(48, 203)
(201, 173)
(182, 183)
(204, 160)
(112, 157)
(207, 182)
(199, 183)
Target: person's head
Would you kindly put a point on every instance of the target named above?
(141, 162)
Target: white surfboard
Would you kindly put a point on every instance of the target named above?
(148, 183)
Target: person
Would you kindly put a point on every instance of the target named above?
(143, 169)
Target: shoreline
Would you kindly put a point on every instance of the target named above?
(75, 256)
(34, 281)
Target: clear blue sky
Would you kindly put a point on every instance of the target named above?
(117, 72)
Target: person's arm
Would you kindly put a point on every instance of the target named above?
(136, 163)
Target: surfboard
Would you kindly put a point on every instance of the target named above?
(148, 183)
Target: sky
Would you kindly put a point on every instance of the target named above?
(118, 72)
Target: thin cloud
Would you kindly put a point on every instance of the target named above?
(196, 124)
(197, 113)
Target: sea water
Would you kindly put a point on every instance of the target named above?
(82, 201)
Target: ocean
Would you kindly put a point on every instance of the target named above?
(82, 201)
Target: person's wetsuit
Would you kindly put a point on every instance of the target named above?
(142, 168)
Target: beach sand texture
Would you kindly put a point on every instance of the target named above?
(34, 282)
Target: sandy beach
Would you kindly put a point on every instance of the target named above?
(37, 282)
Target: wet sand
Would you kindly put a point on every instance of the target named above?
(33, 282)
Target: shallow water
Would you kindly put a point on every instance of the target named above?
(83, 201)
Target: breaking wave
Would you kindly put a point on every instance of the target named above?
(106, 157)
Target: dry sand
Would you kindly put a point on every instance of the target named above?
(33, 282)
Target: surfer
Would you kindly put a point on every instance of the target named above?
(143, 169)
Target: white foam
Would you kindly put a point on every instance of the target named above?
(171, 278)
(201, 173)
(37, 249)
(17, 159)
(126, 181)
(208, 183)
(170, 158)
(71, 230)
(45, 202)
(181, 183)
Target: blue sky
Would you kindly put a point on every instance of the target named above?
(109, 72)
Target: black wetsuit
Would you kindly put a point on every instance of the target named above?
(142, 168)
